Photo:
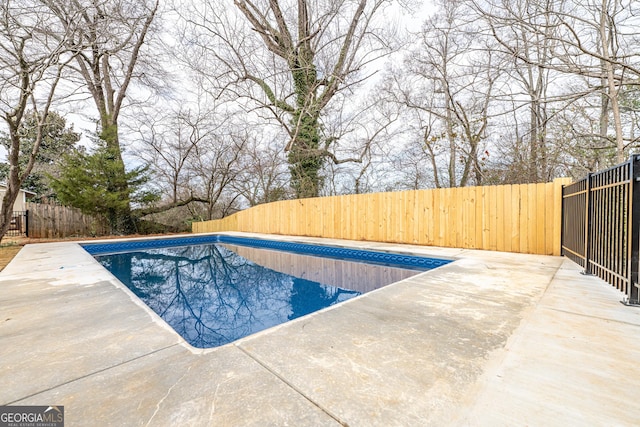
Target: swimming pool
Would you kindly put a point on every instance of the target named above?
(215, 289)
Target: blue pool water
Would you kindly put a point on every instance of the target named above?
(216, 289)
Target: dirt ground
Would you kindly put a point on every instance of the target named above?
(7, 253)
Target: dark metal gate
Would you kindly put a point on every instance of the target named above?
(19, 225)
(601, 225)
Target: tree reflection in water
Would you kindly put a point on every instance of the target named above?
(212, 296)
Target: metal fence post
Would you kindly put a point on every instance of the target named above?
(587, 225)
(26, 223)
(634, 225)
(563, 210)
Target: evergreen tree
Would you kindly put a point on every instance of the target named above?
(95, 184)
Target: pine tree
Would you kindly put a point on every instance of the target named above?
(95, 184)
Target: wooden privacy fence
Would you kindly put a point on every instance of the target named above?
(514, 218)
(52, 221)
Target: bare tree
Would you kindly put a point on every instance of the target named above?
(298, 58)
(108, 38)
(169, 142)
(33, 55)
(595, 41)
(263, 178)
(216, 167)
(446, 89)
(365, 131)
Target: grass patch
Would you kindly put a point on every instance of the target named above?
(7, 252)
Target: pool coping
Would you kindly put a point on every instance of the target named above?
(412, 353)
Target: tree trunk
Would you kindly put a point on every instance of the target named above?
(304, 156)
(612, 91)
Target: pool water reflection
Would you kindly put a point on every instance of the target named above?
(211, 295)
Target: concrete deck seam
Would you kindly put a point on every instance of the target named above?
(99, 371)
(293, 387)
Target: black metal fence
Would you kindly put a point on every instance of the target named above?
(19, 225)
(601, 225)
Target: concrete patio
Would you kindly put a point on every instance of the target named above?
(492, 339)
